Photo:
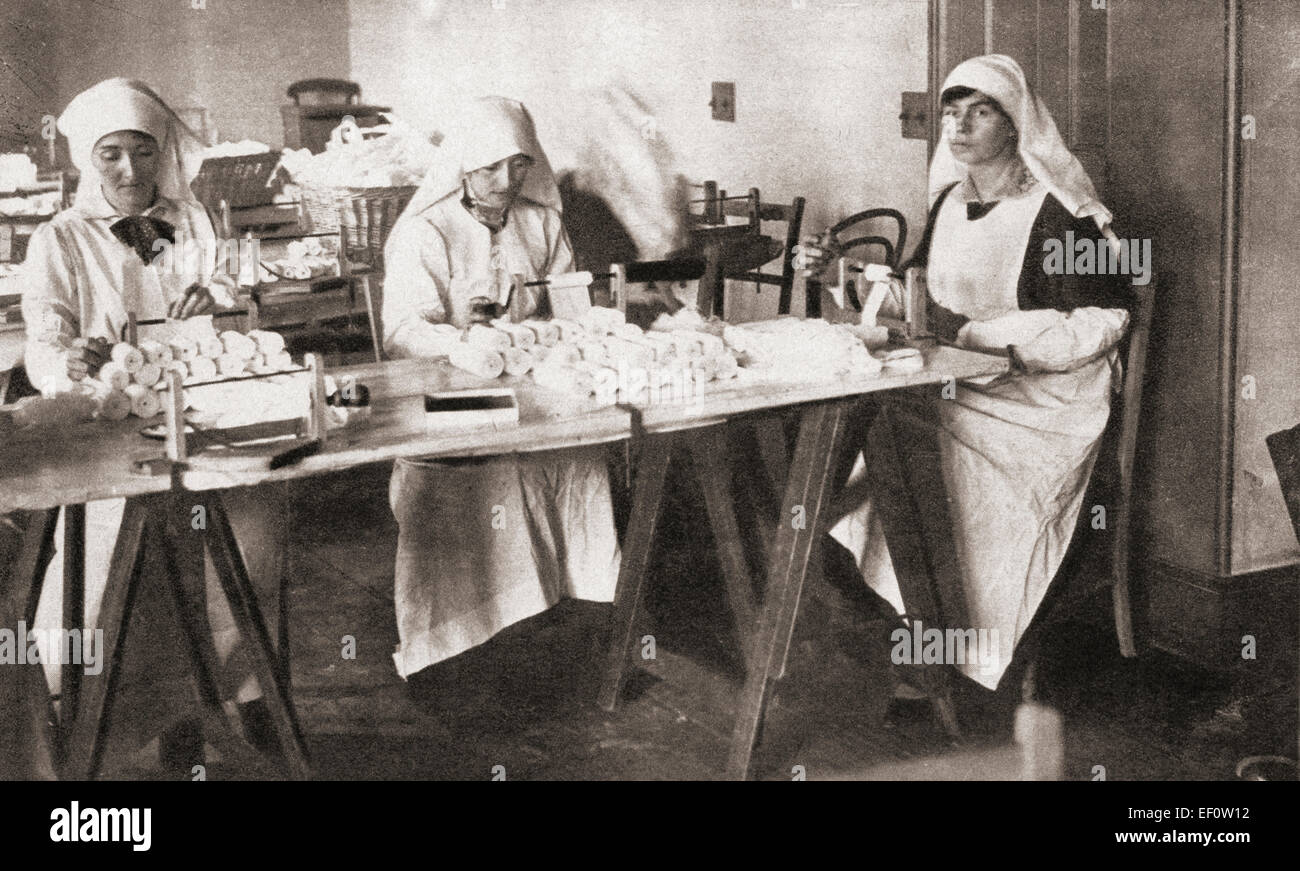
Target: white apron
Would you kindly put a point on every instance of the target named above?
(1016, 453)
(483, 544)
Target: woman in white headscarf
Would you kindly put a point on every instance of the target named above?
(486, 543)
(85, 270)
(1015, 453)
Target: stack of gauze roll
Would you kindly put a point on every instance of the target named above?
(797, 349)
(131, 380)
(601, 353)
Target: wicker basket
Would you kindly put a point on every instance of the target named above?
(243, 181)
(321, 204)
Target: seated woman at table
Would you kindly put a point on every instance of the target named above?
(85, 270)
(483, 544)
(1015, 453)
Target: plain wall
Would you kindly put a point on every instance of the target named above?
(233, 57)
(817, 88)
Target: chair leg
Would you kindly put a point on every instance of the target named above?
(373, 318)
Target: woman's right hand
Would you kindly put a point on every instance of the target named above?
(814, 253)
(86, 356)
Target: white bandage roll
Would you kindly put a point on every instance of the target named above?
(488, 338)
(704, 368)
(593, 352)
(127, 356)
(280, 361)
(547, 333)
(518, 361)
(569, 279)
(230, 365)
(725, 366)
(149, 374)
(521, 337)
(569, 330)
(203, 369)
(114, 375)
(629, 352)
(183, 348)
(210, 346)
(712, 345)
(477, 360)
(268, 343)
(687, 343)
(557, 376)
(564, 354)
(628, 331)
(144, 400)
(114, 405)
(600, 321)
(238, 344)
(155, 352)
(661, 348)
(256, 363)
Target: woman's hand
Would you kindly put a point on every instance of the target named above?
(197, 300)
(86, 356)
(814, 253)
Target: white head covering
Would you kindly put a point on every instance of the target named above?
(127, 104)
(1040, 144)
(488, 130)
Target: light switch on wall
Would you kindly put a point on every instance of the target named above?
(724, 101)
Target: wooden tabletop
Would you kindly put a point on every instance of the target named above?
(95, 460)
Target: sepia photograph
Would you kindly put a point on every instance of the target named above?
(688, 390)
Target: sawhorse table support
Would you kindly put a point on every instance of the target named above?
(79, 739)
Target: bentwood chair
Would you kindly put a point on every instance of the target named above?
(850, 237)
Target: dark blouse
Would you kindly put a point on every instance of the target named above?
(1037, 289)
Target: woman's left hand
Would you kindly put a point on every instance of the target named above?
(198, 300)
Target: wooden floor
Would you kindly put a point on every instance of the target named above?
(526, 702)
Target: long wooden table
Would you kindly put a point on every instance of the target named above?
(96, 461)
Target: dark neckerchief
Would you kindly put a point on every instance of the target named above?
(975, 211)
(141, 232)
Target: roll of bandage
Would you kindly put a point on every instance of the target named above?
(256, 363)
(230, 365)
(687, 343)
(712, 345)
(564, 354)
(238, 344)
(487, 338)
(127, 356)
(569, 279)
(183, 348)
(280, 361)
(477, 360)
(629, 352)
(569, 330)
(114, 405)
(210, 346)
(628, 331)
(203, 369)
(114, 375)
(518, 361)
(725, 366)
(165, 381)
(661, 347)
(155, 352)
(547, 333)
(704, 368)
(268, 343)
(521, 337)
(144, 401)
(600, 321)
(297, 271)
(149, 374)
(592, 352)
(557, 376)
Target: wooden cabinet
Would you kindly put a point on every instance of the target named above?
(1160, 101)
